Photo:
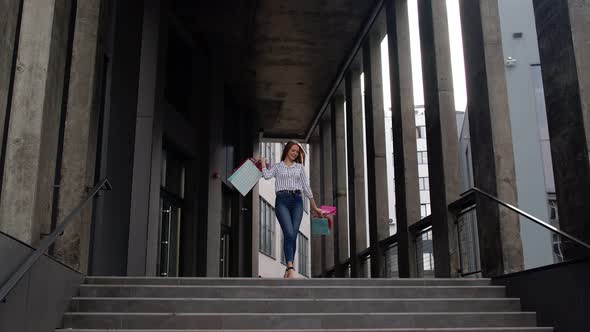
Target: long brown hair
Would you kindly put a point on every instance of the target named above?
(300, 158)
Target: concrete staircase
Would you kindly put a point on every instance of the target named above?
(201, 304)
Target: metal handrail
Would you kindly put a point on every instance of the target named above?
(527, 215)
(9, 285)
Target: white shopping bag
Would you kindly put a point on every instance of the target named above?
(245, 177)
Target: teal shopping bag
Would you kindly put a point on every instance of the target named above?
(320, 226)
(246, 176)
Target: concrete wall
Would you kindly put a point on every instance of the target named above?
(80, 137)
(518, 17)
(8, 29)
(31, 145)
(216, 162)
(39, 300)
(559, 294)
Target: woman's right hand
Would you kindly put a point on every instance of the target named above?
(262, 161)
(318, 213)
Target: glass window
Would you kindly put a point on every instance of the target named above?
(267, 229)
(423, 183)
(421, 132)
(303, 254)
(283, 258)
(424, 210)
(422, 157)
(267, 152)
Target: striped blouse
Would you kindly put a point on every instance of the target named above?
(288, 178)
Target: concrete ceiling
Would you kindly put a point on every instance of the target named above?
(299, 48)
(281, 56)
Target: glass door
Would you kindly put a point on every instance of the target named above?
(171, 204)
(225, 246)
(170, 222)
(224, 255)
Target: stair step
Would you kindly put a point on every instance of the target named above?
(469, 329)
(250, 321)
(146, 304)
(248, 305)
(283, 282)
(204, 291)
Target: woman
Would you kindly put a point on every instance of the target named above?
(291, 182)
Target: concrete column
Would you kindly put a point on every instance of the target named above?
(80, 137)
(9, 26)
(216, 162)
(327, 167)
(338, 269)
(340, 180)
(147, 156)
(579, 12)
(563, 29)
(121, 44)
(378, 204)
(358, 143)
(33, 128)
(407, 195)
(491, 138)
(255, 236)
(354, 111)
(317, 255)
(441, 130)
(379, 133)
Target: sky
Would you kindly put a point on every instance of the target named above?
(456, 45)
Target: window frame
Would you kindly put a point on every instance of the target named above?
(302, 254)
(422, 157)
(420, 132)
(425, 210)
(424, 183)
(267, 232)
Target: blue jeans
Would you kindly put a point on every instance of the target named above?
(289, 211)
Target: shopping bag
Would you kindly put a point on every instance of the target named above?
(245, 177)
(329, 210)
(320, 226)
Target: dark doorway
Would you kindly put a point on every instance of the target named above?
(227, 221)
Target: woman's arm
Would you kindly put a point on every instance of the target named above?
(268, 173)
(308, 193)
(315, 208)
